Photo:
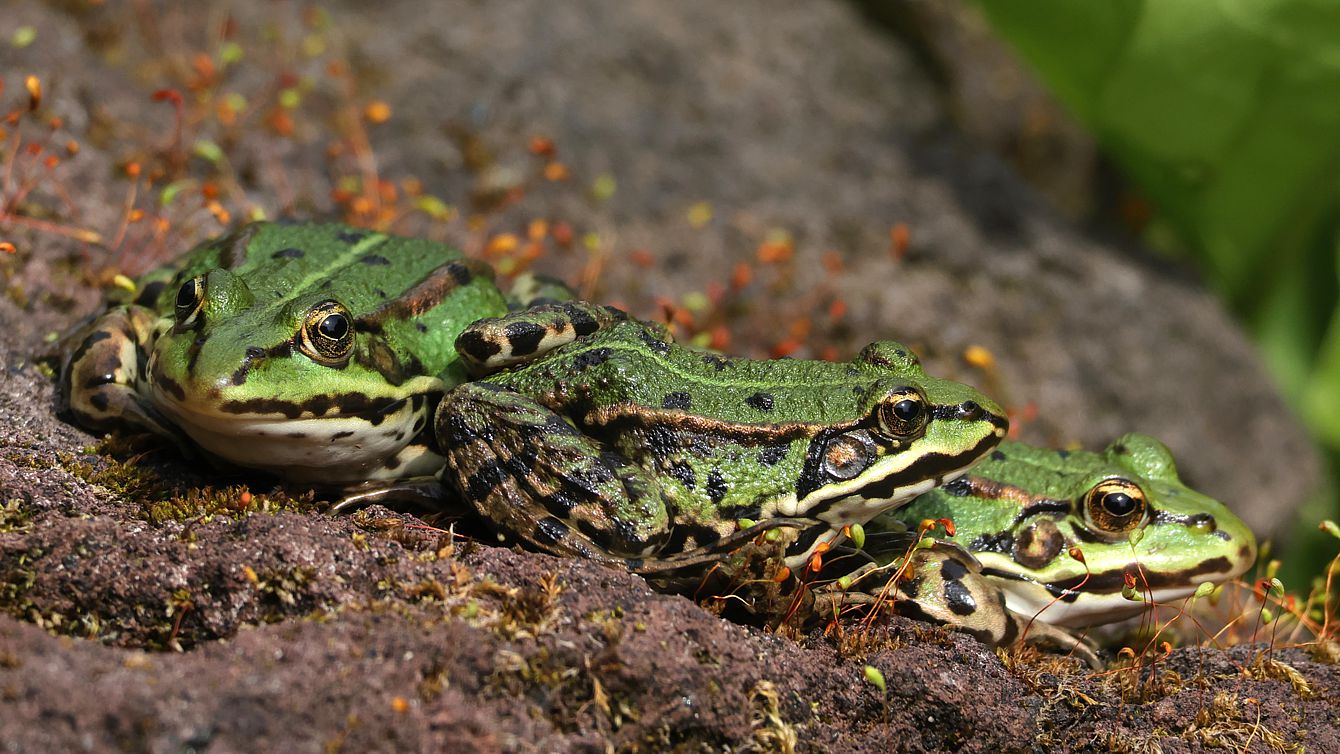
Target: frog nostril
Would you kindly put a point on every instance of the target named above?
(969, 410)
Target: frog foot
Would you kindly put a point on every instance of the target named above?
(101, 379)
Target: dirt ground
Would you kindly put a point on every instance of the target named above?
(152, 605)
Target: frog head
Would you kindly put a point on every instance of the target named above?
(911, 433)
(298, 348)
(1065, 532)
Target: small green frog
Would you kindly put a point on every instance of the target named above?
(315, 352)
(593, 434)
(1047, 541)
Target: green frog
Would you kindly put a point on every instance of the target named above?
(1049, 541)
(327, 355)
(315, 352)
(592, 434)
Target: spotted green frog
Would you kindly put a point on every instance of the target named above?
(319, 353)
(1021, 517)
(316, 352)
(592, 434)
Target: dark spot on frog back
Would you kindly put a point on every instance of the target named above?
(679, 399)
(760, 401)
(591, 358)
(350, 237)
(291, 252)
(716, 486)
(997, 455)
(661, 440)
(718, 363)
(375, 260)
(649, 339)
(684, 473)
(953, 570)
(773, 455)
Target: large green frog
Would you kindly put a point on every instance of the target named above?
(316, 352)
(593, 434)
(1021, 517)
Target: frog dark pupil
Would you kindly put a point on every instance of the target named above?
(907, 409)
(1119, 504)
(334, 327)
(186, 296)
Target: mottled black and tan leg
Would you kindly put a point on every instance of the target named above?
(501, 342)
(946, 587)
(531, 473)
(103, 377)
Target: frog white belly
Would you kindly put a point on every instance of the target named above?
(333, 448)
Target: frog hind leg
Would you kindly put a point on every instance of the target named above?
(532, 474)
(496, 343)
(102, 378)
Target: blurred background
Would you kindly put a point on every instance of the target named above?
(1209, 131)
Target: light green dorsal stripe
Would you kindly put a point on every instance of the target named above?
(344, 260)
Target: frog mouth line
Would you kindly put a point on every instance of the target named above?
(172, 398)
(1093, 610)
(1100, 595)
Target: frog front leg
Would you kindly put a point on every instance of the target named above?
(531, 473)
(944, 585)
(102, 382)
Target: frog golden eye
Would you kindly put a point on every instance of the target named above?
(327, 335)
(903, 415)
(190, 297)
(1115, 505)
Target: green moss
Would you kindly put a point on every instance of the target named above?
(14, 517)
(160, 501)
(236, 501)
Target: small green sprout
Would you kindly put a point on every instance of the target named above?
(875, 678)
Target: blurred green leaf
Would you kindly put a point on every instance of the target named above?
(1321, 396)
(1225, 113)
